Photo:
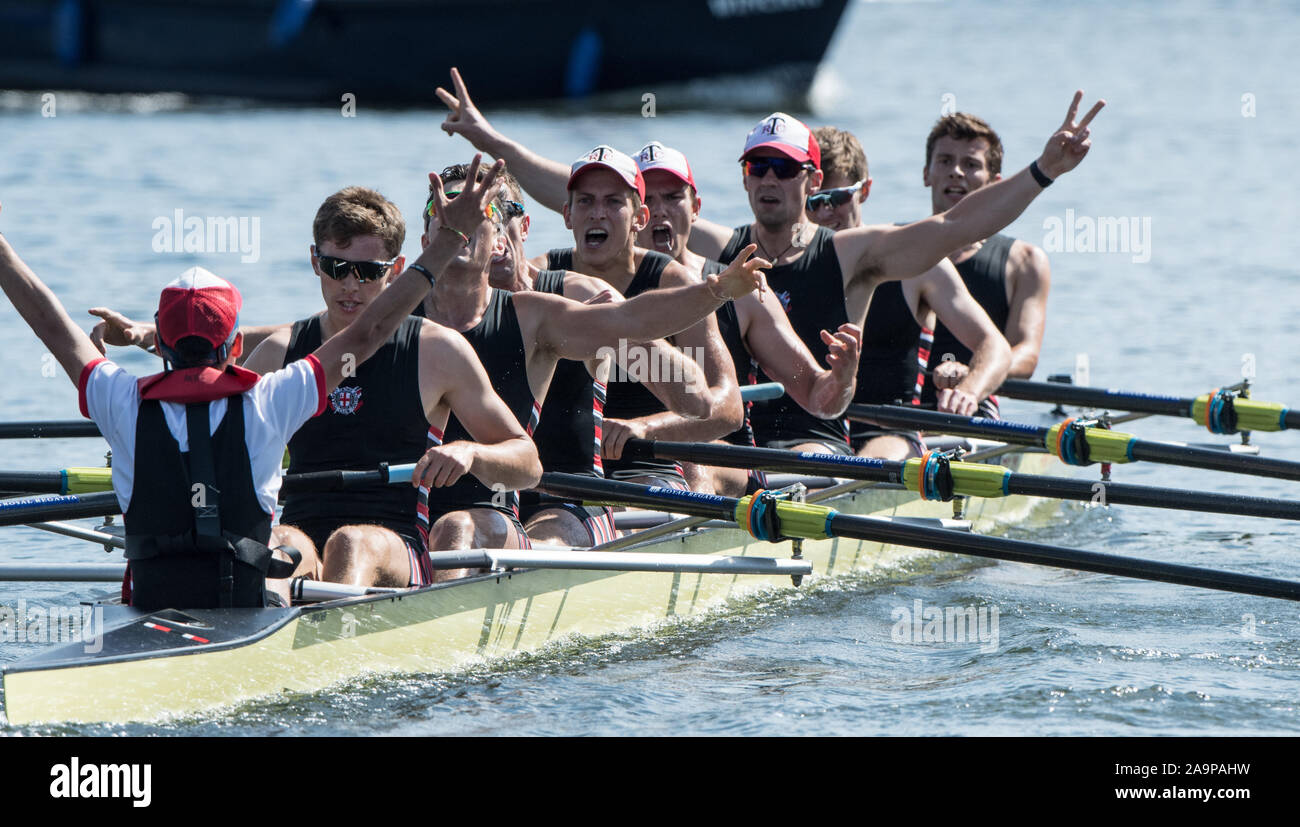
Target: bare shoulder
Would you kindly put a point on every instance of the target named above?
(853, 248)
(269, 355)
(1027, 261)
(676, 274)
(580, 287)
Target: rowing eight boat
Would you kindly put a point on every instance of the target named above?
(153, 665)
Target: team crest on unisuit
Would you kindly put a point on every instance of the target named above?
(784, 296)
(345, 400)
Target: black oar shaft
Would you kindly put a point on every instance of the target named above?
(21, 512)
(48, 430)
(1167, 453)
(1061, 488)
(1019, 551)
(765, 459)
(1212, 460)
(602, 490)
(1115, 493)
(940, 539)
(31, 482)
(1058, 392)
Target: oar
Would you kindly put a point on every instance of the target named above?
(1221, 411)
(973, 479)
(86, 480)
(1077, 445)
(48, 430)
(103, 504)
(767, 390)
(784, 519)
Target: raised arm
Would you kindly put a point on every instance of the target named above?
(44, 314)
(889, 252)
(577, 331)
(359, 340)
(117, 329)
(546, 181)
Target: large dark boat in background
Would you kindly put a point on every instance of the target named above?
(395, 52)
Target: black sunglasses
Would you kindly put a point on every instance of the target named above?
(785, 168)
(338, 268)
(837, 197)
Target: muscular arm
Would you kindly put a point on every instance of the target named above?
(912, 249)
(451, 376)
(577, 331)
(725, 411)
(783, 356)
(44, 314)
(1029, 278)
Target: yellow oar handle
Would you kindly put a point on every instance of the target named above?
(974, 479)
(1103, 445)
(798, 520)
(1252, 415)
(87, 480)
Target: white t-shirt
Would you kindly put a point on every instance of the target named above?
(274, 409)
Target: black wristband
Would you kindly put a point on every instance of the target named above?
(1043, 180)
(423, 270)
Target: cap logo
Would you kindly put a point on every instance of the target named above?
(774, 126)
(597, 154)
(650, 154)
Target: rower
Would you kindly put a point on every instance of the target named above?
(757, 334)
(383, 410)
(520, 337)
(827, 279)
(902, 314)
(198, 503)
(602, 199)
(1009, 278)
(569, 427)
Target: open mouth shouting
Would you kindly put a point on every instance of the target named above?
(662, 235)
(594, 238)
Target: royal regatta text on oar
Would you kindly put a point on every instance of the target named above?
(1076, 444)
(1221, 411)
(767, 517)
(936, 478)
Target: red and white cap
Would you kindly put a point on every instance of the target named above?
(788, 135)
(612, 159)
(656, 156)
(199, 303)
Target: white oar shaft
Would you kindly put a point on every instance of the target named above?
(616, 561)
(82, 534)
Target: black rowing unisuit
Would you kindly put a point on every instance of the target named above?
(985, 275)
(373, 416)
(811, 289)
(626, 399)
(889, 366)
(568, 431)
(499, 344)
